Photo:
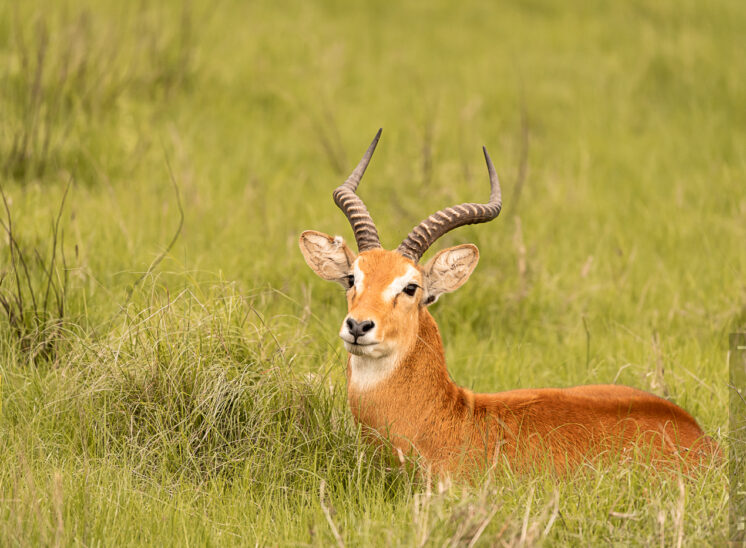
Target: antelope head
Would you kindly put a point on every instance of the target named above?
(388, 291)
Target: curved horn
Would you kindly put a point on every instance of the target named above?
(424, 234)
(353, 207)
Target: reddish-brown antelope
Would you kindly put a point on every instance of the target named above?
(398, 384)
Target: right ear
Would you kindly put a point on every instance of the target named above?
(449, 270)
(329, 257)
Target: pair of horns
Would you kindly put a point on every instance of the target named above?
(424, 234)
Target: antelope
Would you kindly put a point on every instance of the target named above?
(398, 386)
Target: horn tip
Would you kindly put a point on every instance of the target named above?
(487, 158)
(373, 145)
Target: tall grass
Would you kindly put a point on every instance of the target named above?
(184, 383)
(33, 290)
(194, 411)
(68, 75)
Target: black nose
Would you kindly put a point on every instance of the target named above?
(358, 329)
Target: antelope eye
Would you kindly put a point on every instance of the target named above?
(350, 281)
(411, 289)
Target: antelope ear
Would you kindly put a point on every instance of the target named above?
(449, 270)
(328, 256)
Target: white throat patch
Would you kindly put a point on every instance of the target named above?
(399, 283)
(366, 372)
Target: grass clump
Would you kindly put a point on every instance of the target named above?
(33, 289)
(185, 389)
(184, 393)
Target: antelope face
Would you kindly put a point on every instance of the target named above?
(383, 296)
(385, 290)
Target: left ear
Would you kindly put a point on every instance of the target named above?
(328, 256)
(449, 270)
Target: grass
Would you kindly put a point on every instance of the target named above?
(191, 388)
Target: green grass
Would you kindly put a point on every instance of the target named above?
(193, 394)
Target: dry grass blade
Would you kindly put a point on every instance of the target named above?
(482, 526)
(328, 515)
(526, 515)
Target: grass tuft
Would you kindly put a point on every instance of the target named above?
(33, 290)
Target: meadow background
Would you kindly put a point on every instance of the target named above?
(171, 373)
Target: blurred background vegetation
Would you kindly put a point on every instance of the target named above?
(170, 367)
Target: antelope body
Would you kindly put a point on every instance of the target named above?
(398, 384)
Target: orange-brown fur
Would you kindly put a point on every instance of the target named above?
(422, 411)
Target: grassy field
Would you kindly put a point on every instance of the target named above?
(171, 373)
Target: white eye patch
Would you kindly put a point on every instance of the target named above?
(359, 276)
(400, 283)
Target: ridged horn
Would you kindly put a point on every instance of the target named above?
(353, 207)
(424, 234)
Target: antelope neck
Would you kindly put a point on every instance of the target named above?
(417, 405)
